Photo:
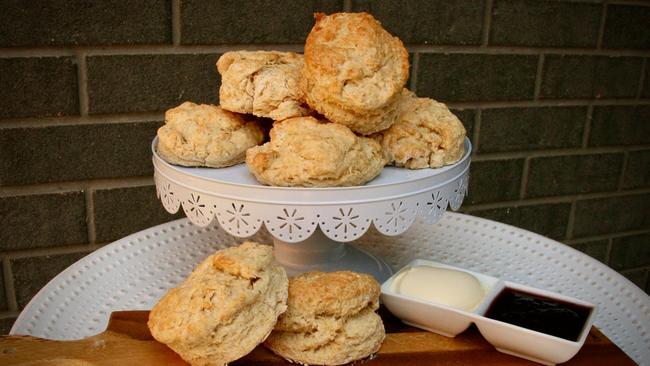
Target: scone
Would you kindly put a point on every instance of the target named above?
(425, 135)
(263, 83)
(206, 135)
(310, 153)
(330, 319)
(354, 71)
(226, 307)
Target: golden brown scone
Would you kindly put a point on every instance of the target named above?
(354, 71)
(330, 319)
(306, 152)
(425, 135)
(263, 83)
(226, 307)
(206, 135)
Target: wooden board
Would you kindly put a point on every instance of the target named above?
(127, 341)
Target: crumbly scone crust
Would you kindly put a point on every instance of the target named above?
(309, 153)
(354, 67)
(426, 134)
(226, 307)
(206, 135)
(263, 83)
(330, 319)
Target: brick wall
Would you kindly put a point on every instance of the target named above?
(555, 96)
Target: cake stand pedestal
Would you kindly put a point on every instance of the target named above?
(310, 226)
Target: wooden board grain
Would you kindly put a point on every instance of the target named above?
(127, 341)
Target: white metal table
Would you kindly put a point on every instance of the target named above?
(134, 272)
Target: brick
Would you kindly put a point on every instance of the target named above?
(466, 116)
(611, 215)
(66, 153)
(6, 324)
(78, 22)
(43, 220)
(259, 21)
(547, 219)
(492, 77)
(637, 172)
(550, 24)
(429, 22)
(147, 83)
(590, 77)
(494, 180)
(620, 125)
(3, 295)
(627, 27)
(630, 252)
(638, 277)
(517, 129)
(31, 274)
(558, 175)
(596, 249)
(38, 87)
(123, 211)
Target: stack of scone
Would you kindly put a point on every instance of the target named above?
(341, 112)
(240, 297)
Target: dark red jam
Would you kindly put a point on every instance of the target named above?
(541, 314)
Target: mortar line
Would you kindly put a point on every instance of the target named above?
(90, 215)
(82, 120)
(587, 130)
(82, 83)
(538, 77)
(601, 26)
(478, 121)
(347, 6)
(487, 23)
(621, 178)
(414, 72)
(630, 2)
(8, 314)
(607, 236)
(608, 252)
(487, 156)
(554, 199)
(521, 50)
(644, 65)
(572, 214)
(43, 252)
(176, 22)
(165, 49)
(10, 291)
(548, 103)
(76, 186)
(524, 178)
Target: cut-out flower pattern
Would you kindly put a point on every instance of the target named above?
(290, 221)
(397, 214)
(195, 206)
(346, 220)
(238, 216)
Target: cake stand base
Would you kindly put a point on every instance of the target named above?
(320, 253)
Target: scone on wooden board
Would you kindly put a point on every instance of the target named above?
(263, 83)
(206, 135)
(226, 307)
(330, 319)
(426, 134)
(354, 71)
(306, 152)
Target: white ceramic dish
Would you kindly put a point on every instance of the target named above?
(505, 337)
(434, 317)
(529, 344)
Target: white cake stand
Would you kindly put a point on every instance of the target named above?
(310, 226)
